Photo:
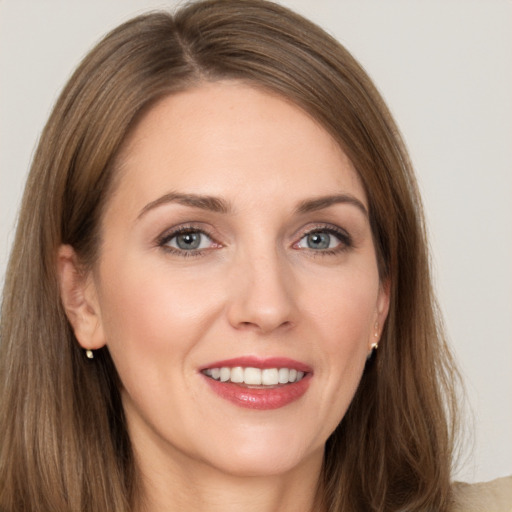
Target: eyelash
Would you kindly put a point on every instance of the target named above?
(164, 240)
(343, 237)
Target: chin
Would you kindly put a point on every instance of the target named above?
(262, 454)
(259, 465)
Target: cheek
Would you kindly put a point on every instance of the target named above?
(343, 317)
(344, 310)
(149, 312)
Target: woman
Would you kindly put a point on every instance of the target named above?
(220, 227)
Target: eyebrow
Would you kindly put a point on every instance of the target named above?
(218, 205)
(313, 205)
(210, 203)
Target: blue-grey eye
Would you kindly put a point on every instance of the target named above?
(190, 241)
(319, 240)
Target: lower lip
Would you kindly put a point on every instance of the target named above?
(259, 397)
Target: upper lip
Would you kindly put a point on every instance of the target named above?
(260, 362)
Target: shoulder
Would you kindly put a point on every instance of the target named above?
(494, 496)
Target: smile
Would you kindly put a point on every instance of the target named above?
(255, 376)
(256, 383)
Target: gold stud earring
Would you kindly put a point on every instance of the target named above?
(375, 345)
(89, 354)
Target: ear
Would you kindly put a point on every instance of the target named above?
(79, 298)
(382, 310)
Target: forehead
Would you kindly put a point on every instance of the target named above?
(228, 138)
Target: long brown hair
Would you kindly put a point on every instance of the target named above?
(64, 444)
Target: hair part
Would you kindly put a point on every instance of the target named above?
(65, 445)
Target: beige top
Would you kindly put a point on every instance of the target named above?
(494, 496)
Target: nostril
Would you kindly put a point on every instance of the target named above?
(263, 327)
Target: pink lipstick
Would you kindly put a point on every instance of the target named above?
(258, 383)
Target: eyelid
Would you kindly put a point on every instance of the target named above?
(332, 229)
(341, 234)
(322, 226)
(163, 240)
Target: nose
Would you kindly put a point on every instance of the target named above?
(263, 294)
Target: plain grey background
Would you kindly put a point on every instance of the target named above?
(445, 69)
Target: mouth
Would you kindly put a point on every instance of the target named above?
(258, 383)
(251, 376)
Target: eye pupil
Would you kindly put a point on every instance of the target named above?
(318, 240)
(188, 241)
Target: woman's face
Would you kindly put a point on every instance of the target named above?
(236, 287)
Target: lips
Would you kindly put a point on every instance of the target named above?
(258, 383)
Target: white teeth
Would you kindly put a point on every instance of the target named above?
(225, 374)
(255, 376)
(270, 377)
(284, 375)
(252, 376)
(237, 374)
